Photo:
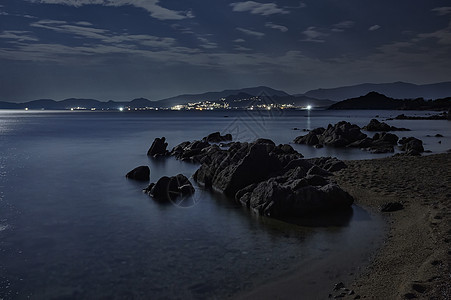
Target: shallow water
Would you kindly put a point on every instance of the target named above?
(72, 226)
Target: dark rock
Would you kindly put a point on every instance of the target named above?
(158, 147)
(338, 286)
(392, 206)
(383, 143)
(375, 125)
(216, 137)
(318, 146)
(330, 164)
(438, 135)
(338, 135)
(139, 173)
(410, 296)
(170, 188)
(442, 116)
(419, 288)
(411, 143)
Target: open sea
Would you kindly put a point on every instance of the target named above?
(73, 227)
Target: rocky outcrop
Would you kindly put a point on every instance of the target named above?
(273, 180)
(158, 147)
(170, 188)
(296, 193)
(141, 173)
(341, 134)
(375, 125)
(383, 143)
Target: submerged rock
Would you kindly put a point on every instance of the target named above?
(141, 173)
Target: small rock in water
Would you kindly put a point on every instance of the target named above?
(139, 173)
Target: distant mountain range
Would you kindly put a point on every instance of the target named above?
(374, 100)
(246, 97)
(397, 90)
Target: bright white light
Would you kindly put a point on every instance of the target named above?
(121, 108)
(309, 107)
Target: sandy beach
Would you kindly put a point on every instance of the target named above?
(414, 260)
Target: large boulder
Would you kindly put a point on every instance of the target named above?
(141, 173)
(290, 195)
(383, 142)
(170, 188)
(158, 147)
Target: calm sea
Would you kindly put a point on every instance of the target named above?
(72, 226)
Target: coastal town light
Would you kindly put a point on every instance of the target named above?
(309, 107)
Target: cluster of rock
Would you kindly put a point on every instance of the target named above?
(345, 134)
(442, 116)
(271, 180)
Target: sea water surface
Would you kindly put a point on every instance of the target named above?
(72, 226)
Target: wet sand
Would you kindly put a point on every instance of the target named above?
(414, 260)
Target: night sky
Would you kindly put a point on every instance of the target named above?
(124, 49)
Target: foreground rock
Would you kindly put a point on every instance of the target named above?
(158, 147)
(170, 188)
(141, 173)
(272, 180)
(375, 125)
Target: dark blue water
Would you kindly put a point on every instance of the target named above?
(72, 226)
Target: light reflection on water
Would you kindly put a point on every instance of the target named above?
(73, 226)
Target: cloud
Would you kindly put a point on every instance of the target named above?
(155, 10)
(17, 36)
(239, 41)
(342, 26)
(441, 11)
(103, 35)
(83, 23)
(206, 44)
(276, 26)
(251, 32)
(312, 34)
(241, 48)
(374, 27)
(256, 8)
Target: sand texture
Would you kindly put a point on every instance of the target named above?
(414, 261)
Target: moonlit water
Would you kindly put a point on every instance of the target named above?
(72, 226)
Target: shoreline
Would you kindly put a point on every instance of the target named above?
(414, 259)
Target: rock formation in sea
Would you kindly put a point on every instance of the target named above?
(375, 125)
(345, 134)
(272, 180)
(158, 147)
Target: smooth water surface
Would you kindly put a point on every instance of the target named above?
(72, 226)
